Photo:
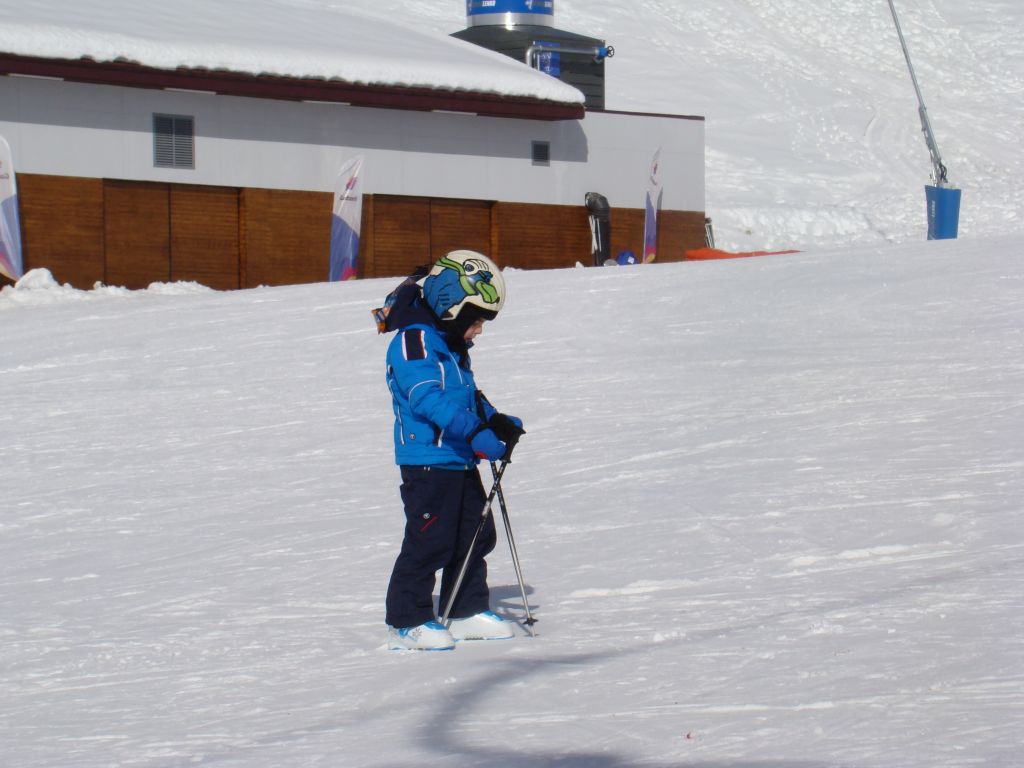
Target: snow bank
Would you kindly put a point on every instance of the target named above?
(39, 287)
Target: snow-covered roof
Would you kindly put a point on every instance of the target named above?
(295, 39)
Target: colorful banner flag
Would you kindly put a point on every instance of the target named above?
(10, 228)
(652, 202)
(348, 211)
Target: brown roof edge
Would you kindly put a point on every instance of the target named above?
(699, 118)
(130, 74)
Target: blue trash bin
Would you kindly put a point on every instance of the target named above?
(943, 212)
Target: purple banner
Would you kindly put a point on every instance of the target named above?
(10, 229)
(347, 216)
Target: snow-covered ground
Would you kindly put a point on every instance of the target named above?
(768, 511)
(813, 137)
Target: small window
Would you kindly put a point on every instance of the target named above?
(173, 141)
(542, 153)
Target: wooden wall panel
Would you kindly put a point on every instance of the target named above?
(459, 224)
(678, 232)
(541, 236)
(137, 232)
(62, 227)
(366, 263)
(134, 233)
(286, 236)
(204, 235)
(627, 230)
(401, 234)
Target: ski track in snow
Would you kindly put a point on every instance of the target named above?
(768, 514)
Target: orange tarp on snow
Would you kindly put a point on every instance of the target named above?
(704, 254)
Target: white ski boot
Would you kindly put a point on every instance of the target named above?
(484, 626)
(431, 636)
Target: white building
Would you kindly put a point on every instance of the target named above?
(125, 126)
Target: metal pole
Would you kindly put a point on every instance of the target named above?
(472, 544)
(938, 168)
(530, 621)
(599, 52)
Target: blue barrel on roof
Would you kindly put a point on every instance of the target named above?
(510, 13)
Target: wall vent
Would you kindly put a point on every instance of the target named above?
(173, 141)
(541, 153)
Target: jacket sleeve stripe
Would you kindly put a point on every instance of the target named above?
(412, 345)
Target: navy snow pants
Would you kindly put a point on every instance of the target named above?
(442, 512)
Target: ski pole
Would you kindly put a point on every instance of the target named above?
(472, 544)
(530, 621)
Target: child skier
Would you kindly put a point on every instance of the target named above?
(443, 427)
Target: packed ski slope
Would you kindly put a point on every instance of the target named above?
(768, 512)
(813, 137)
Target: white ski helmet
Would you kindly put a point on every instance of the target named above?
(465, 280)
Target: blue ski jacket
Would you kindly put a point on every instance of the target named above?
(433, 394)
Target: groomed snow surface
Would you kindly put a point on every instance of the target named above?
(768, 511)
(812, 131)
